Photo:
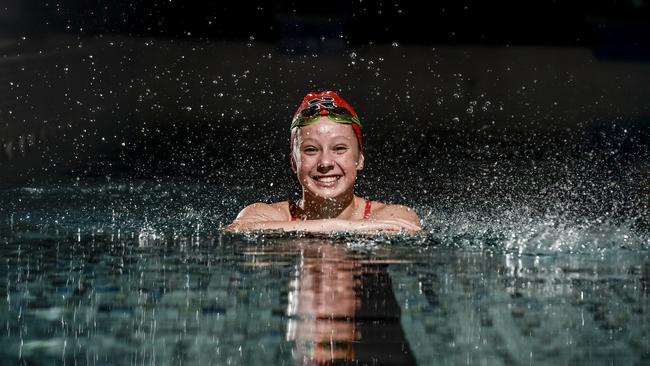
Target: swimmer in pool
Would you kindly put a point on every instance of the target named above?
(326, 154)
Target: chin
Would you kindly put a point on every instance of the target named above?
(327, 193)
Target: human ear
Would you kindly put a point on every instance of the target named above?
(360, 161)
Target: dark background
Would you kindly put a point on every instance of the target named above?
(201, 89)
(545, 22)
(541, 22)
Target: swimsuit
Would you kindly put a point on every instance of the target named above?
(293, 208)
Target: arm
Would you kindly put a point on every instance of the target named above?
(262, 217)
(324, 226)
(398, 214)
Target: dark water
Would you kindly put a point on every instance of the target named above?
(536, 250)
(110, 299)
(513, 268)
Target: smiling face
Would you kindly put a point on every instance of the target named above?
(326, 158)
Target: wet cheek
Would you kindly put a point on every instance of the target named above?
(304, 171)
(305, 181)
(302, 163)
(349, 162)
(307, 163)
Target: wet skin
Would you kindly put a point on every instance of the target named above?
(326, 158)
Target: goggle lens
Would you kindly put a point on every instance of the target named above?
(338, 114)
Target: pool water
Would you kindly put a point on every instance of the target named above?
(535, 252)
(136, 271)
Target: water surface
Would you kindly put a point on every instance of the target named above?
(110, 271)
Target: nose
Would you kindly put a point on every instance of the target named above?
(325, 162)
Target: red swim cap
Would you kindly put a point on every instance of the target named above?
(329, 103)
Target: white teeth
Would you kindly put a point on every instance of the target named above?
(327, 179)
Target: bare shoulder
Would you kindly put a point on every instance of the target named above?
(389, 211)
(260, 211)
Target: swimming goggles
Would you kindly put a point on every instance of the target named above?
(337, 114)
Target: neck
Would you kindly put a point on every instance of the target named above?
(315, 207)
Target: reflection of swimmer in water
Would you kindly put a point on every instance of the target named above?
(342, 310)
(326, 153)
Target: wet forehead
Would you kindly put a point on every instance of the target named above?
(326, 129)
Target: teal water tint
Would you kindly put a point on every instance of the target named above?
(137, 272)
(104, 300)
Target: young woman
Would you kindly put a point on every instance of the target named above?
(326, 154)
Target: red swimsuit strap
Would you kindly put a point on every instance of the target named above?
(292, 210)
(294, 216)
(366, 211)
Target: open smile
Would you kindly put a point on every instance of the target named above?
(326, 180)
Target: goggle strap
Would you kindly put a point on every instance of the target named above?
(299, 122)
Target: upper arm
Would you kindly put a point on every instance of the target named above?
(260, 212)
(397, 212)
(254, 215)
